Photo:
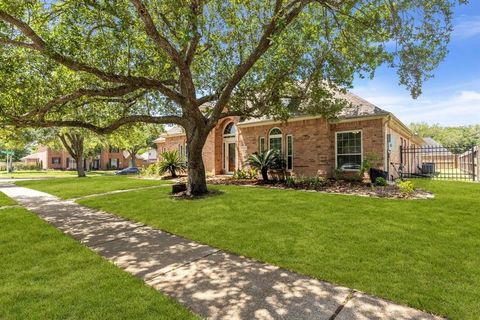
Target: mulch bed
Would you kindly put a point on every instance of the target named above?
(333, 186)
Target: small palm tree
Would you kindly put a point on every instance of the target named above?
(264, 161)
(172, 163)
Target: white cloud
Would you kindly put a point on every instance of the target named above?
(455, 108)
(467, 27)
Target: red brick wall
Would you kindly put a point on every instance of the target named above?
(313, 143)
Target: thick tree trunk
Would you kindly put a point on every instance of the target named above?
(80, 167)
(133, 155)
(196, 183)
(74, 145)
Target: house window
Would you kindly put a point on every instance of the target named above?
(113, 163)
(275, 139)
(261, 144)
(56, 160)
(289, 149)
(349, 150)
(230, 130)
(182, 152)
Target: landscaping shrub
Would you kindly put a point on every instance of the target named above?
(338, 174)
(265, 161)
(310, 183)
(406, 187)
(245, 174)
(240, 174)
(172, 163)
(151, 170)
(380, 181)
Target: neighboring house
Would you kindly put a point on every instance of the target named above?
(112, 158)
(149, 156)
(438, 156)
(32, 159)
(311, 145)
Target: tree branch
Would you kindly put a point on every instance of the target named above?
(160, 41)
(40, 45)
(67, 146)
(23, 122)
(196, 9)
(17, 43)
(109, 92)
(186, 80)
(287, 15)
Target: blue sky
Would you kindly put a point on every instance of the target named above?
(452, 97)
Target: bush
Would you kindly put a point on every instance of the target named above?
(265, 161)
(380, 181)
(245, 174)
(406, 187)
(240, 174)
(171, 163)
(151, 170)
(310, 183)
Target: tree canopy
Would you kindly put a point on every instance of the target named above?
(101, 64)
(449, 136)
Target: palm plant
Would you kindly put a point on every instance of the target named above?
(264, 161)
(171, 162)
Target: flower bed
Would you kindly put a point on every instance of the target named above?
(330, 186)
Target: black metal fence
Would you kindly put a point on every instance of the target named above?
(440, 162)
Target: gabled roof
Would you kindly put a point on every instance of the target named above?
(437, 149)
(431, 142)
(33, 156)
(358, 108)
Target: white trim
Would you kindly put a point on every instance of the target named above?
(361, 148)
(260, 139)
(264, 122)
(229, 135)
(276, 136)
(226, 154)
(286, 150)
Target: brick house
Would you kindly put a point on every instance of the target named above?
(311, 145)
(106, 159)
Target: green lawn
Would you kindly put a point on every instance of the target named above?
(67, 188)
(47, 275)
(5, 201)
(27, 174)
(424, 253)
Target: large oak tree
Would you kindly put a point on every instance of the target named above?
(101, 64)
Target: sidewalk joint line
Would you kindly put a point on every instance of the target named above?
(349, 297)
(183, 265)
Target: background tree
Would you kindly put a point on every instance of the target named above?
(135, 139)
(17, 141)
(449, 136)
(80, 144)
(102, 64)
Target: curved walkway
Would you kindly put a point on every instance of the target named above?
(212, 283)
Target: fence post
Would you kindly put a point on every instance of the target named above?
(477, 151)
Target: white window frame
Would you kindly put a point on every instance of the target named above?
(261, 141)
(286, 151)
(349, 154)
(270, 136)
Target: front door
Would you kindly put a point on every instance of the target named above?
(229, 156)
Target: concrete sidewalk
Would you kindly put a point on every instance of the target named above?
(210, 282)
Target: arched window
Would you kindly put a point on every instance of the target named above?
(275, 139)
(230, 130)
